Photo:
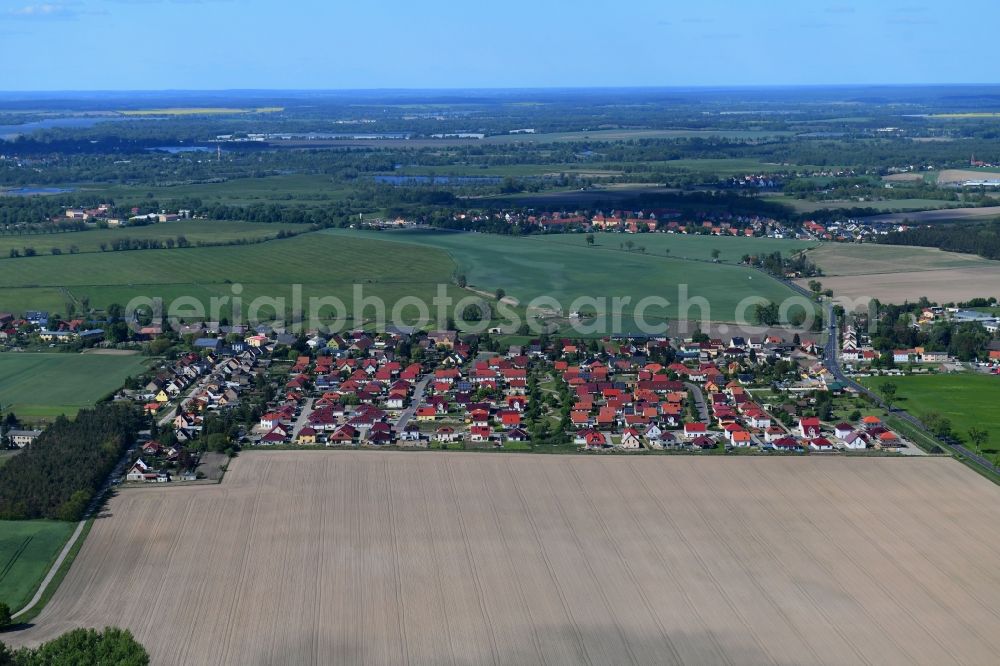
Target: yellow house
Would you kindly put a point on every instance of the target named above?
(306, 436)
(162, 396)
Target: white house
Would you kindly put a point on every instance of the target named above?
(820, 444)
(842, 430)
(138, 471)
(21, 438)
(855, 441)
(630, 439)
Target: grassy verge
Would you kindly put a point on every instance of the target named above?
(921, 439)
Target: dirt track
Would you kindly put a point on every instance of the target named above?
(349, 557)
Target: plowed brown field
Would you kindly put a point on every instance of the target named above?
(388, 558)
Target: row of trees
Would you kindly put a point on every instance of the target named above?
(81, 646)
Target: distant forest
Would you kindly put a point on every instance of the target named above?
(980, 238)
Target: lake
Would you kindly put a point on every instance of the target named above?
(36, 191)
(13, 131)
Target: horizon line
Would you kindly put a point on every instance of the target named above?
(677, 88)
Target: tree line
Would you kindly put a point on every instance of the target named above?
(980, 238)
(81, 646)
(58, 474)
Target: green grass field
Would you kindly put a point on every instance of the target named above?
(682, 246)
(967, 399)
(887, 206)
(564, 268)
(325, 265)
(632, 134)
(301, 188)
(195, 231)
(43, 386)
(27, 550)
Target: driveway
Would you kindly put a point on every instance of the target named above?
(699, 402)
(303, 419)
(418, 395)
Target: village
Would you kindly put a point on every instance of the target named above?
(620, 394)
(407, 388)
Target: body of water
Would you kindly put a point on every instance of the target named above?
(36, 191)
(13, 131)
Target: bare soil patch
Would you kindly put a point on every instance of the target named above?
(962, 175)
(895, 273)
(315, 557)
(903, 177)
(942, 215)
(97, 351)
(943, 286)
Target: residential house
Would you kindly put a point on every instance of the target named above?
(630, 439)
(22, 438)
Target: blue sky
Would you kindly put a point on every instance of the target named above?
(219, 44)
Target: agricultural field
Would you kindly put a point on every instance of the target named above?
(895, 273)
(683, 246)
(325, 265)
(369, 557)
(297, 188)
(727, 166)
(43, 386)
(195, 231)
(805, 206)
(27, 550)
(200, 111)
(962, 175)
(565, 268)
(632, 135)
(968, 400)
(944, 215)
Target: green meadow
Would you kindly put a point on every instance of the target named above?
(968, 400)
(302, 188)
(195, 231)
(565, 268)
(325, 265)
(43, 386)
(27, 550)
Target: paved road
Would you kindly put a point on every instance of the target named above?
(179, 400)
(418, 396)
(832, 363)
(303, 420)
(699, 402)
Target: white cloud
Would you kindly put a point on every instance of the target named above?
(45, 10)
